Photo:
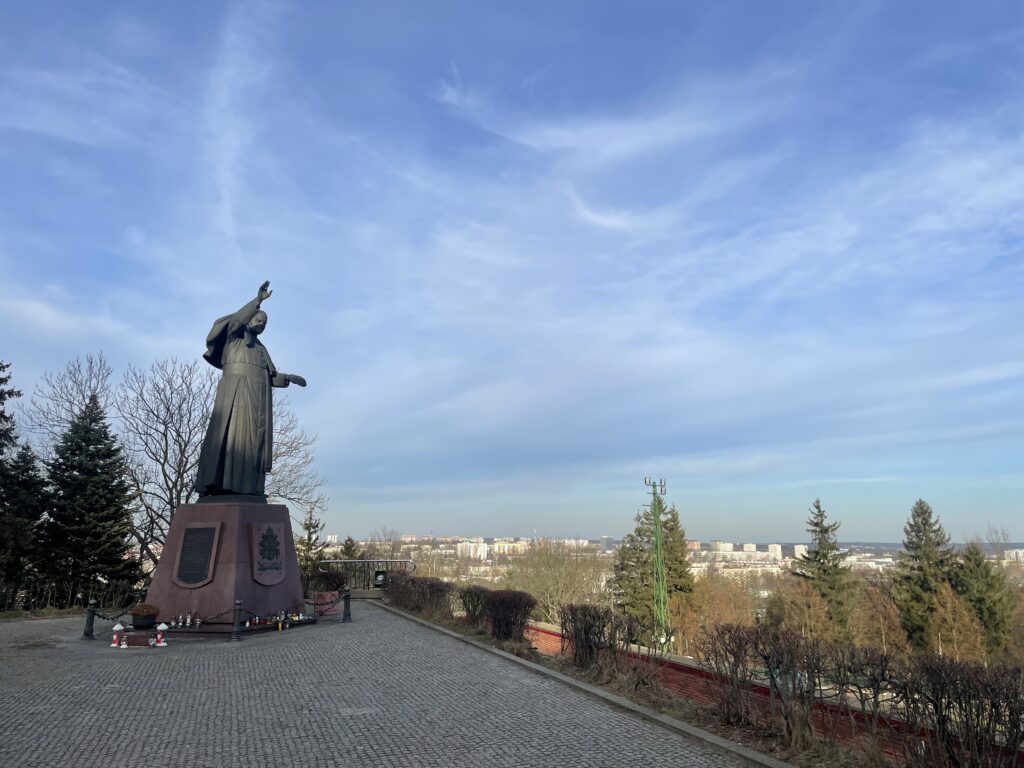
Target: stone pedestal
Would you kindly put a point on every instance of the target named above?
(222, 551)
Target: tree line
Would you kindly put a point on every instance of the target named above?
(93, 467)
(937, 600)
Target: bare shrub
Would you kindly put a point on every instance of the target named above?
(584, 632)
(474, 602)
(509, 613)
(793, 664)
(401, 589)
(437, 596)
(729, 650)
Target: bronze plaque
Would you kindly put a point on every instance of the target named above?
(268, 548)
(196, 555)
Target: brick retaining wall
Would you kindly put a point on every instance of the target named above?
(688, 679)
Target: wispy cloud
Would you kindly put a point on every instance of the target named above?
(699, 110)
(85, 99)
(724, 271)
(230, 129)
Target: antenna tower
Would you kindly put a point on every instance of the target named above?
(660, 587)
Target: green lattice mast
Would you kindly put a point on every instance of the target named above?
(660, 588)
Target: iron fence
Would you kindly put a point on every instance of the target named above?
(365, 574)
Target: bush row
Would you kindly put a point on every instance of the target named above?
(935, 711)
(598, 637)
(421, 593)
(506, 611)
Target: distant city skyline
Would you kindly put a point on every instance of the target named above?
(526, 254)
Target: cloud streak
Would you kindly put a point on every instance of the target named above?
(501, 292)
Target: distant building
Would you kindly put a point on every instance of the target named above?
(332, 538)
(694, 545)
(774, 551)
(799, 550)
(720, 546)
(750, 547)
(509, 547)
(471, 550)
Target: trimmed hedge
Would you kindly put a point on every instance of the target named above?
(420, 593)
(509, 611)
(585, 631)
(474, 603)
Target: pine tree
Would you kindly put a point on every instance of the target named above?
(823, 566)
(24, 499)
(350, 550)
(86, 538)
(8, 435)
(308, 548)
(987, 591)
(926, 564)
(22, 492)
(633, 579)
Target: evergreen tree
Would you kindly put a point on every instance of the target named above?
(22, 492)
(925, 565)
(86, 539)
(308, 548)
(350, 550)
(823, 566)
(8, 435)
(633, 579)
(24, 499)
(986, 590)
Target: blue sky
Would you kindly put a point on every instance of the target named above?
(527, 253)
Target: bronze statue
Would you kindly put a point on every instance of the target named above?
(239, 442)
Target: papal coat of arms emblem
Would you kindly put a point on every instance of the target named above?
(268, 565)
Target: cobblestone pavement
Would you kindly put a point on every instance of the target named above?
(381, 691)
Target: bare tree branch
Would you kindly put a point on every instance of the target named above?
(163, 413)
(161, 418)
(58, 398)
(293, 478)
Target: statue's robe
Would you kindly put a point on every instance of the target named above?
(239, 443)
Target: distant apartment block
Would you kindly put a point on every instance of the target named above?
(694, 545)
(576, 543)
(750, 547)
(471, 550)
(509, 547)
(774, 551)
(720, 546)
(332, 539)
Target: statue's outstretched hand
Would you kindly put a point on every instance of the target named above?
(294, 378)
(264, 292)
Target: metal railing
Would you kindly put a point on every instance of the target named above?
(366, 574)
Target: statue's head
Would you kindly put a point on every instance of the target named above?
(258, 323)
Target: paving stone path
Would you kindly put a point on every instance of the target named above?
(381, 691)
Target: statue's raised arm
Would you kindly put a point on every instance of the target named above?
(239, 443)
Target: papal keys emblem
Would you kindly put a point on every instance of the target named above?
(268, 566)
